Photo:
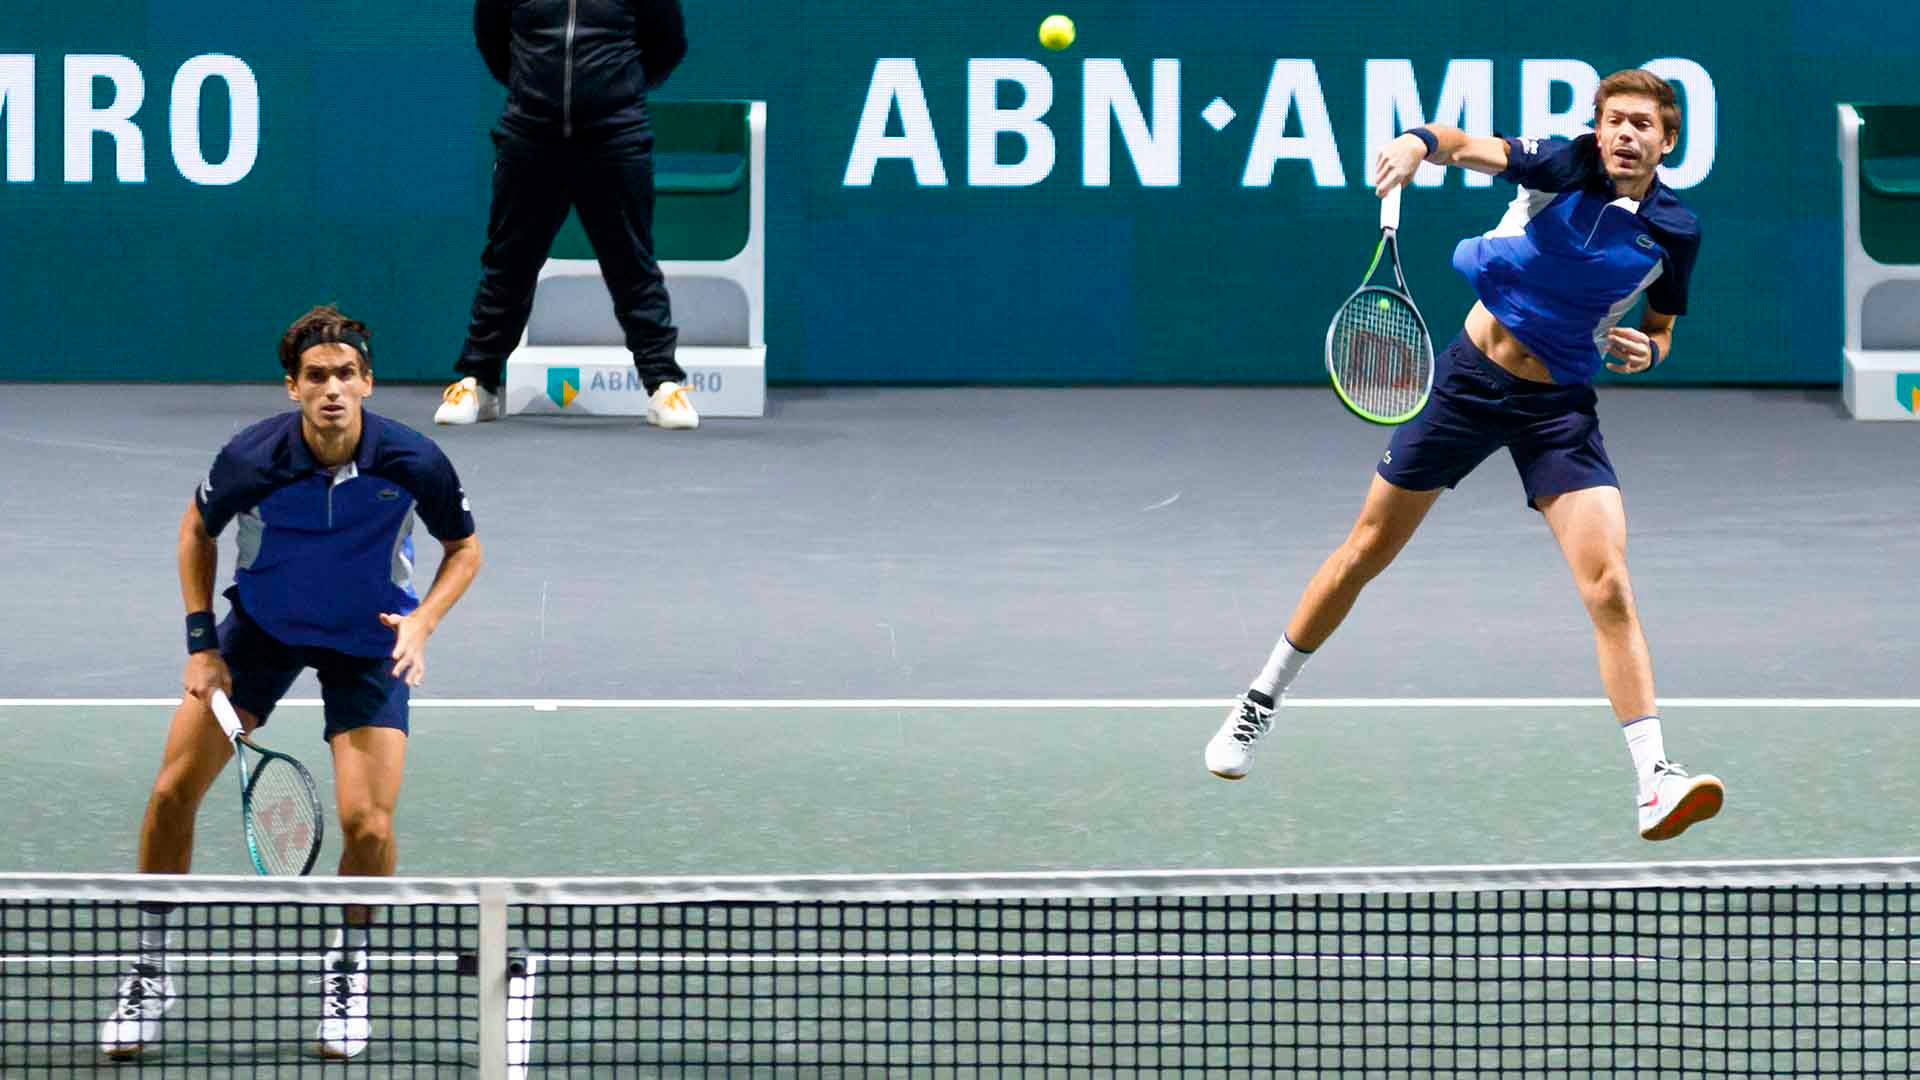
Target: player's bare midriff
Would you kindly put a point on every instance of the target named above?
(1491, 337)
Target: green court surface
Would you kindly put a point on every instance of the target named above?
(1736, 982)
(512, 791)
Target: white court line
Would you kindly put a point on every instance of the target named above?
(552, 704)
(260, 959)
(603, 959)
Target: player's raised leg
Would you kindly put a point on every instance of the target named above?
(1387, 521)
(1591, 526)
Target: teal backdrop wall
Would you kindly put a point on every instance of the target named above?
(368, 179)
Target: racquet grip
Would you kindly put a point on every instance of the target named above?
(1390, 209)
(223, 712)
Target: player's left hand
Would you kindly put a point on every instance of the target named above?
(1634, 349)
(409, 646)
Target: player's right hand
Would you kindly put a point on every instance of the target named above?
(1396, 163)
(206, 672)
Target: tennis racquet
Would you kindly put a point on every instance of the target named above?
(279, 804)
(1378, 351)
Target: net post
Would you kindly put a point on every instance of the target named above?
(493, 981)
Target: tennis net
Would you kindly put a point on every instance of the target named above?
(1698, 969)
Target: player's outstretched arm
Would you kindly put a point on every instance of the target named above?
(1400, 158)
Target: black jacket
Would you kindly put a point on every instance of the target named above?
(578, 66)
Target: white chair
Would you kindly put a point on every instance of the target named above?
(573, 357)
(1881, 380)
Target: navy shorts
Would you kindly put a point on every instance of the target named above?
(1478, 407)
(357, 691)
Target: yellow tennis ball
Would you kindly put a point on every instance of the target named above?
(1056, 32)
(1384, 304)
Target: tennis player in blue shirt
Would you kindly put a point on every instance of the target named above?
(324, 498)
(1591, 232)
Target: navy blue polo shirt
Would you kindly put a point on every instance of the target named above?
(323, 552)
(1570, 257)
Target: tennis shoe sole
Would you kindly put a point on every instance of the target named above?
(1701, 801)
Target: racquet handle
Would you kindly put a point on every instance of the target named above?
(223, 712)
(1390, 209)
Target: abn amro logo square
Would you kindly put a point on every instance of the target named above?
(563, 385)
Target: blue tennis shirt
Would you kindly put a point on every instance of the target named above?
(323, 552)
(1570, 258)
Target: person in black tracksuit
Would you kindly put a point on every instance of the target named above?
(574, 133)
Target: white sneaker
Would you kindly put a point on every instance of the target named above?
(467, 402)
(344, 1027)
(1678, 800)
(145, 996)
(1230, 751)
(669, 408)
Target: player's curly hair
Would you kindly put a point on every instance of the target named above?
(1642, 83)
(319, 326)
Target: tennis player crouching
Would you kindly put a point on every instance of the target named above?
(325, 498)
(1591, 230)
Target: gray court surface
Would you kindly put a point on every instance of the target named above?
(593, 791)
(993, 542)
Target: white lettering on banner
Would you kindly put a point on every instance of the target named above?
(243, 145)
(896, 82)
(1294, 97)
(1538, 120)
(16, 108)
(84, 120)
(1699, 104)
(628, 381)
(1155, 150)
(115, 118)
(1393, 106)
(986, 121)
(1700, 115)
(1294, 81)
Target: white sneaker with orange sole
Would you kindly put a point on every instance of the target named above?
(669, 408)
(467, 402)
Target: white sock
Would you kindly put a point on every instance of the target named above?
(1648, 748)
(1282, 666)
(353, 939)
(153, 938)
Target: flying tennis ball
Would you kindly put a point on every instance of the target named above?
(1385, 303)
(1056, 32)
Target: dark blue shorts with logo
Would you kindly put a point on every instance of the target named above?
(357, 691)
(1478, 407)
